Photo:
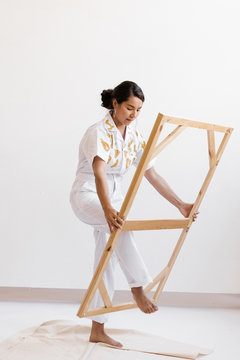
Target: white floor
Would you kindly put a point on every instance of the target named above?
(213, 328)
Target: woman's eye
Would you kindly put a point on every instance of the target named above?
(133, 109)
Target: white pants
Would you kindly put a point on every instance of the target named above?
(87, 208)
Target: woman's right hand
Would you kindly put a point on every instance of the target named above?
(113, 219)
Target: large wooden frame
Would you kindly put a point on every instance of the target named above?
(151, 151)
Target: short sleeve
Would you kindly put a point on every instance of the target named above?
(95, 143)
(140, 149)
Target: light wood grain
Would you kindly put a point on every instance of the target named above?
(136, 225)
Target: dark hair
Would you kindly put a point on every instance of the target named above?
(121, 93)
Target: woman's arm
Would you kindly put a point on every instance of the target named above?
(113, 219)
(164, 189)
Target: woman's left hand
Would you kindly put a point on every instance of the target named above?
(185, 209)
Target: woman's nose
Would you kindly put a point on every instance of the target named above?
(134, 114)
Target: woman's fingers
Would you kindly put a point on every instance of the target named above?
(117, 221)
(195, 215)
(113, 219)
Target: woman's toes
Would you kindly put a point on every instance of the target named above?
(117, 344)
(153, 307)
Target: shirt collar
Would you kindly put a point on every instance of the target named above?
(111, 126)
(109, 123)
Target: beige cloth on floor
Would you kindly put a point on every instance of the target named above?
(67, 340)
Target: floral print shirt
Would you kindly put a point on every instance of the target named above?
(104, 139)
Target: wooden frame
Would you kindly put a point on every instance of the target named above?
(151, 151)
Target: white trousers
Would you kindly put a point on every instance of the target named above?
(87, 208)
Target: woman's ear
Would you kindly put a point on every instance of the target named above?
(114, 103)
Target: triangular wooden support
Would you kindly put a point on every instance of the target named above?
(151, 151)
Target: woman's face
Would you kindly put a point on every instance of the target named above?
(127, 111)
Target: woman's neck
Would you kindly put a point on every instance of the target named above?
(120, 126)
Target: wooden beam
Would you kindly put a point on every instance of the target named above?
(210, 173)
(158, 278)
(146, 157)
(136, 225)
(211, 147)
(195, 124)
(103, 310)
(104, 294)
(168, 139)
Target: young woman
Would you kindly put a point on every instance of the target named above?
(106, 152)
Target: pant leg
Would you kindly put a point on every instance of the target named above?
(88, 209)
(131, 261)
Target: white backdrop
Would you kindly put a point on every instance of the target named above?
(56, 58)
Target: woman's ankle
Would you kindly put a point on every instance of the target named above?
(137, 290)
(97, 327)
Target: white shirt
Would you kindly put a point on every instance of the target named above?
(104, 139)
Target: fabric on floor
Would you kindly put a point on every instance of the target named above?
(68, 340)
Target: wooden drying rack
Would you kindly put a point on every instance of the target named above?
(152, 150)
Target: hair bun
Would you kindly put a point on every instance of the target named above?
(107, 98)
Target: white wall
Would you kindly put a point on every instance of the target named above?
(56, 58)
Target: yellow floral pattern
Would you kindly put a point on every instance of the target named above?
(128, 162)
(117, 152)
(105, 145)
(111, 138)
(121, 153)
(107, 122)
(143, 144)
(114, 164)
(129, 144)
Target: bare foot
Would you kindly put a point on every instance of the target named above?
(98, 335)
(144, 304)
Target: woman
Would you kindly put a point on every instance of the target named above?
(107, 150)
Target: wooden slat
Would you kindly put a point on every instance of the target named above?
(168, 139)
(158, 291)
(104, 294)
(211, 147)
(158, 278)
(195, 124)
(146, 157)
(103, 310)
(136, 225)
(210, 173)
